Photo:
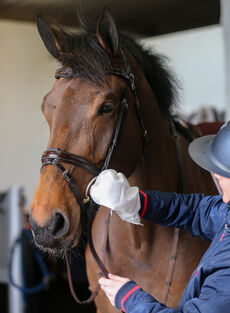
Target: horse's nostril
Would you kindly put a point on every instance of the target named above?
(50, 234)
(60, 225)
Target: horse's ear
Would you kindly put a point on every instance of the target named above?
(107, 31)
(52, 38)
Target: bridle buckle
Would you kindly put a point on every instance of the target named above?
(132, 81)
(86, 199)
(124, 103)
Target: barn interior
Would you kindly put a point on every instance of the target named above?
(195, 38)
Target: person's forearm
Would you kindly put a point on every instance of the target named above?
(199, 214)
(132, 299)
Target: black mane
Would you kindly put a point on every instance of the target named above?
(86, 57)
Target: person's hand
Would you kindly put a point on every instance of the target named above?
(112, 190)
(111, 285)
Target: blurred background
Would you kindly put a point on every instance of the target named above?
(194, 35)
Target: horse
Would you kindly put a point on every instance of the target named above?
(105, 71)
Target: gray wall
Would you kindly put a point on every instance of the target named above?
(26, 74)
(197, 56)
(225, 12)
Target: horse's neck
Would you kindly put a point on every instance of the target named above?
(158, 168)
(160, 165)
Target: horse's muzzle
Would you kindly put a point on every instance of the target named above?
(50, 235)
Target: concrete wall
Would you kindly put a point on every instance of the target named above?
(197, 57)
(27, 74)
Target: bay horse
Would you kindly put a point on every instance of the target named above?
(82, 111)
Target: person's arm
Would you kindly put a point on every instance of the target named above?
(201, 215)
(127, 296)
(209, 301)
(130, 298)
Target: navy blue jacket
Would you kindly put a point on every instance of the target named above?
(208, 290)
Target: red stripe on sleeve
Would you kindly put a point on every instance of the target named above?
(222, 236)
(128, 294)
(145, 204)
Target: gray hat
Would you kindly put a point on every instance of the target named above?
(213, 152)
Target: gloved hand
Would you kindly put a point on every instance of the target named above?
(112, 190)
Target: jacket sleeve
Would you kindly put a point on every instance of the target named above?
(200, 215)
(132, 299)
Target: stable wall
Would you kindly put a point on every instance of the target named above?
(26, 74)
(197, 58)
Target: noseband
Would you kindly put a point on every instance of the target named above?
(55, 156)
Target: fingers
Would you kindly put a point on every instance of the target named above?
(118, 278)
(107, 287)
(111, 299)
(104, 281)
(111, 285)
(108, 282)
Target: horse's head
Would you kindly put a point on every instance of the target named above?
(82, 111)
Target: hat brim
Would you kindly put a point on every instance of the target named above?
(200, 152)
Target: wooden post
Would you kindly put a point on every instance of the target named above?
(225, 21)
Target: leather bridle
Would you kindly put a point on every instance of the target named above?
(56, 156)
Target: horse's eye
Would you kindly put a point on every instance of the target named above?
(106, 108)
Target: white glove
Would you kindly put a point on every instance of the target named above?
(112, 189)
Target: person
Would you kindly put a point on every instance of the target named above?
(208, 290)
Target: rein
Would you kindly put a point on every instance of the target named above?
(56, 156)
(173, 256)
(189, 134)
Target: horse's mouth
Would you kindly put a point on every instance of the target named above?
(57, 248)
